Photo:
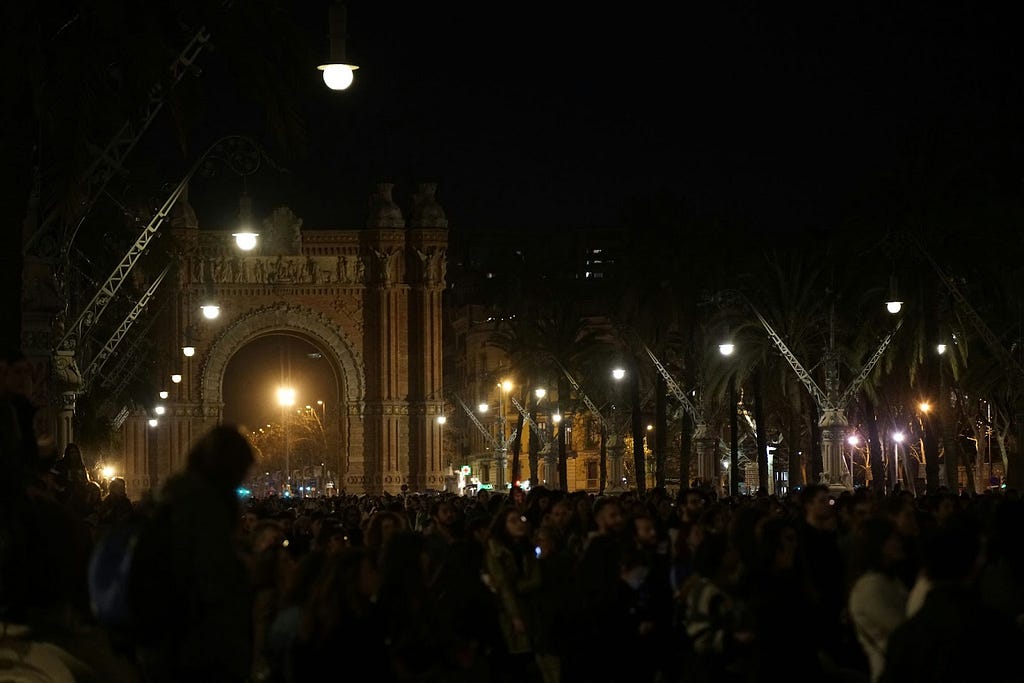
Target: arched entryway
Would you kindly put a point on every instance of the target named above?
(369, 300)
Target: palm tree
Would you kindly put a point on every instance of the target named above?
(542, 328)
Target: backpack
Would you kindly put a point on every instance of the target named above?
(110, 567)
(131, 582)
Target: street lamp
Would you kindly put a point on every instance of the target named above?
(854, 441)
(502, 455)
(894, 305)
(176, 378)
(245, 238)
(164, 394)
(337, 73)
(210, 311)
(286, 399)
(897, 439)
(726, 349)
(441, 420)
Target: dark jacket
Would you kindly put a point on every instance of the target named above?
(209, 634)
(953, 637)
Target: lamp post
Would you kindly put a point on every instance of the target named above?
(551, 473)
(286, 399)
(450, 483)
(501, 457)
(548, 454)
(726, 349)
(897, 439)
(854, 441)
(337, 73)
(616, 449)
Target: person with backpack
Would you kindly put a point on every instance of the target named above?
(190, 590)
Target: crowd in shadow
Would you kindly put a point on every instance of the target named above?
(538, 586)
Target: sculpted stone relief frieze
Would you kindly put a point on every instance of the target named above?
(385, 269)
(270, 270)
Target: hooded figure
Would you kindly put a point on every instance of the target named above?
(198, 582)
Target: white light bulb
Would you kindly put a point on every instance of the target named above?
(338, 76)
(189, 351)
(164, 394)
(246, 241)
(176, 378)
(726, 349)
(153, 422)
(210, 311)
(894, 306)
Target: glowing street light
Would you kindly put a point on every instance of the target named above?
(176, 378)
(245, 240)
(337, 73)
(286, 399)
(189, 351)
(618, 374)
(164, 394)
(894, 305)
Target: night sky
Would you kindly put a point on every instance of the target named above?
(544, 115)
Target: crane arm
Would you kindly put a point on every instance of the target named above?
(673, 386)
(101, 358)
(586, 399)
(109, 160)
(824, 404)
(530, 421)
(483, 430)
(855, 385)
(994, 344)
(95, 308)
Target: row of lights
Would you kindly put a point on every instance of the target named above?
(338, 74)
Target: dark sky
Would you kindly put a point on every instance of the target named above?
(544, 115)
(540, 115)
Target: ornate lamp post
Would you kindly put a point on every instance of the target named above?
(286, 399)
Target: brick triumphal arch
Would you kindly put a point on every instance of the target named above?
(369, 300)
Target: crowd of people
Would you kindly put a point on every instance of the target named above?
(538, 586)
